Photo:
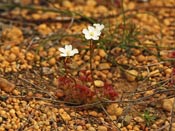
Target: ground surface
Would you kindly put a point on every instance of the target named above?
(138, 63)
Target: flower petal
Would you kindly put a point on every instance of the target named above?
(68, 47)
(98, 26)
(95, 38)
(62, 50)
(63, 55)
(85, 31)
(88, 37)
(91, 29)
(75, 51)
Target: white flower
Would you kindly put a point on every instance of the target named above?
(68, 51)
(99, 26)
(91, 33)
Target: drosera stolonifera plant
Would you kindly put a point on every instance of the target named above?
(74, 91)
(77, 89)
(93, 33)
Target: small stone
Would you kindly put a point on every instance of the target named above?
(29, 56)
(74, 65)
(67, 4)
(44, 29)
(118, 111)
(136, 128)
(149, 92)
(130, 127)
(65, 116)
(59, 93)
(11, 57)
(144, 74)
(159, 122)
(15, 92)
(12, 111)
(168, 71)
(136, 52)
(1, 119)
(6, 85)
(113, 117)
(119, 125)
(113, 109)
(138, 119)
(91, 3)
(141, 58)
(168, 104)
(124, 129)
(173, 128)
(127, 119)
(102, 53)
(154, 73)
(47, 70)
(97, 58)
(104, 66)
(102, 128)
(13, 35)
(93, 113)
(91, 129)
(52, 61)
(154, 126)
(79, 128)
(99, 83)
(131, 75)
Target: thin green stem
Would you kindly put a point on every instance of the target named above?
(65, 66)
(91, 66)
(66, 70)
(91, 55)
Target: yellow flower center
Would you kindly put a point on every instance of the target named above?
(68, 53)
(91, 33)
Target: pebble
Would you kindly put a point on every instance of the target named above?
(113, 117)
(154, 126)
(149, 92)
(99, 83)
(59, 93)
(131, 75)
(6, 85)
(104, 66)
(93, 113)
(91, 2)
(168, 104)
(13, 34)
(11, 57)
(138, 119)
(113, 109)
(154, 73)
(91, 129)
(16, 92)
(159, 122)
(65, 116)
(102, 128)
(136, 128)
(118, 111)
(168, 71)
(144, 74)
(141, 58)
(127, 119)
(130, 127)
(102, 53)
(52, 61)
